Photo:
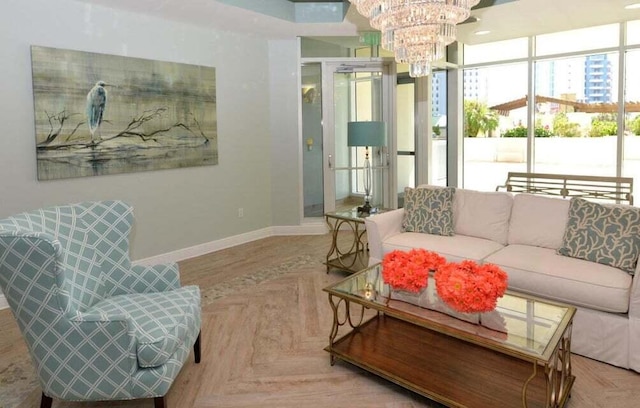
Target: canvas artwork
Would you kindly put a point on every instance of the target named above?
(98, 114)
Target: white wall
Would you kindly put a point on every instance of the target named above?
(177, 208)
(285, 146)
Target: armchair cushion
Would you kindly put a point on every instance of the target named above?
(160, 321)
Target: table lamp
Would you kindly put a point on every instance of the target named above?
(366, 134)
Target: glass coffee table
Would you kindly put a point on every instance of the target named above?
(525, 360)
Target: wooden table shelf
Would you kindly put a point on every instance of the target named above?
(524, 361)
(447, 370)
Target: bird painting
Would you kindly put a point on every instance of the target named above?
(96, 104)
(98, 114)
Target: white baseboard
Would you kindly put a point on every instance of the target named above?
(207, 247)
(315, 228)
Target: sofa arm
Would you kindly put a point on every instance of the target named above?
(634, 295)
(379, 228)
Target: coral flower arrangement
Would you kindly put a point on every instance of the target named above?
(409, 271)
(468, 287)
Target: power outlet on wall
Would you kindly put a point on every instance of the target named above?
(240, 212)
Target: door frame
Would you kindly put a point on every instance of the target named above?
(331, 66)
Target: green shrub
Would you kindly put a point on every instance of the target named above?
(634, 126)
(521, 131)
(518, 131)
(562, 126)
(543, 131)
(600, 128)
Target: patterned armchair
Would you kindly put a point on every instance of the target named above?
(97, 327)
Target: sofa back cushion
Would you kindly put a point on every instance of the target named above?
(538, 220)
(428, 210)
(482, 214)
(607, 234)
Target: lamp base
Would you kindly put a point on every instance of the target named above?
(365, 209)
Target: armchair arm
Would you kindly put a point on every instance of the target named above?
(380, 227)
(143, 279)
(105, 349)
(155, 278)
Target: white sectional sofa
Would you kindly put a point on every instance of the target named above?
(522, 233)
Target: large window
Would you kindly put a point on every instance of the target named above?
(496, 51)
(577, 40)
(406, 143)
(494, 117)
(439, 127)
(631, 165)
(570, 87)
(576, 115)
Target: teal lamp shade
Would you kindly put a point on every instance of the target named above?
(366, 133)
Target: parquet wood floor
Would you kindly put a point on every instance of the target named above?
(263, 345)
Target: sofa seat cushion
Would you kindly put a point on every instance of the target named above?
(454, 248)
(160, 321)
(541, 272)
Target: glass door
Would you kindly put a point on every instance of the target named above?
(421, 129)
(356, 94)
(406, 131)
(312, 141)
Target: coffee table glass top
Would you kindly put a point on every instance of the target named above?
(528, 327)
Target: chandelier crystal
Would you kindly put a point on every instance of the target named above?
(416, 31)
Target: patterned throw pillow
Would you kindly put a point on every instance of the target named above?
(428, 210)
(605, 234)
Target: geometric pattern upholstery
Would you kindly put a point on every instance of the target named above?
(97, 328)
(159, 320)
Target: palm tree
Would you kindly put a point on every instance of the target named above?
(478, 117)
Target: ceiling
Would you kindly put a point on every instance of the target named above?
(503, 18)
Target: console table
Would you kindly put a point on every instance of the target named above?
(351, 256)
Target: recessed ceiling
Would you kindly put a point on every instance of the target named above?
(504, 19)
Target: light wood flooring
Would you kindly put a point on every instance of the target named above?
(263, 346)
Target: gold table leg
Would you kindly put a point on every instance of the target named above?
(352, 258)
(557, 375)
(340, 320)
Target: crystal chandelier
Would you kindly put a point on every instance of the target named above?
(416, 31)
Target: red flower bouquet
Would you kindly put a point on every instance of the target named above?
(468, 287)
(410, 270)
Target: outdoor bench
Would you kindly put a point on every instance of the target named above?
(617, 189)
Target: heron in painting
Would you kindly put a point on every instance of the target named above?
(96, 104)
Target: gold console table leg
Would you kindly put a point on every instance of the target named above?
(354, 257)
